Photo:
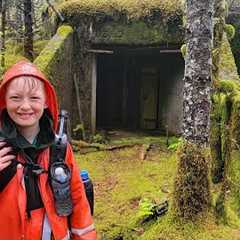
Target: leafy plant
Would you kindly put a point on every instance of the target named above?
(174, 146)
(145, 208)
(78, 131)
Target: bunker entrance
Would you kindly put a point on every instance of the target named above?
(139, 89)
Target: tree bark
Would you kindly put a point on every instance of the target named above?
(191, 189)
(19, 21)
(219, 19)
(198, 71)
(28, 33)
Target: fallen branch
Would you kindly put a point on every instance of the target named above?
(82, 146)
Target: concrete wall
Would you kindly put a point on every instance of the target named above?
(82, 65)
(170, 107)
(56, 61)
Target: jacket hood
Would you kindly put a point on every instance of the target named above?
(25, 68)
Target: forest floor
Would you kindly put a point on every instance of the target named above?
(127, 179)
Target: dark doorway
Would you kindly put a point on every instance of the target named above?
(134, 88)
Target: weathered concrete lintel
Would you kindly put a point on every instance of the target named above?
(137, 33)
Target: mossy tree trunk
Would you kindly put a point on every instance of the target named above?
(216, 133)
(219, 23)
(192, 194)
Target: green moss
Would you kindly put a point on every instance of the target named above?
(52, 52)
(64, 31)
(184, 50)
(234, 180)
(121, 180)
(228, 87)
(127, 22)
(132, 8)
(168, 229)
(227, 66)
(217, 162)
(235, 128)
(232, 89)
(191, 190)
(230, 30)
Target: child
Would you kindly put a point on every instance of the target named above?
(28, 118)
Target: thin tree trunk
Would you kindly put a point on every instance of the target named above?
(19, 20)
(28, 34)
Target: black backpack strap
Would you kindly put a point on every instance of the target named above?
(7, 174)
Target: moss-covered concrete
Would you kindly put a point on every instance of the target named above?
(137, 33)
(234, 19)
(127, 22)
(227, 65)
(52, 52)
(217, 164)
(133, 9)
(55, 60)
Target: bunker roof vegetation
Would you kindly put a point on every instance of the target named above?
(130, 22)
(133, 9)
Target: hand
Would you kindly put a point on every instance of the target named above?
(5, 156)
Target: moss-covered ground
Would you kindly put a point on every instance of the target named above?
(122, 179)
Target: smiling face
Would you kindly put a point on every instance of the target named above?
(25, 103)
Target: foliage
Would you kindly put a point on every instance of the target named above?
(98, 138)
(176, 144)
(145, 208)
(230, 30)
(14, 51)
(78, 131)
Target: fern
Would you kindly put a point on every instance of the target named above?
(145, 208)
(174, 146)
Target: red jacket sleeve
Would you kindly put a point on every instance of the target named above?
(82, 226)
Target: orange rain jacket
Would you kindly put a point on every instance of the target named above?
(44, 222)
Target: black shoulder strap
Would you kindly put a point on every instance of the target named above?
(7, 174)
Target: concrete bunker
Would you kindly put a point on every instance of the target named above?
(117, 64)
(125, 65)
